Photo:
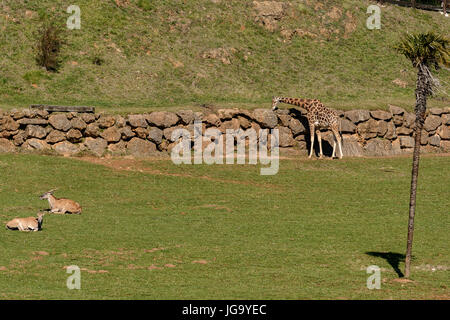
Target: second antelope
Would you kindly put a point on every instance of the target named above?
(26, 224)
(62, 205)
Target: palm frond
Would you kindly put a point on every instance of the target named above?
(427, 49)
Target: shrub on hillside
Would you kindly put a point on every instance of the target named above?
(49, 46)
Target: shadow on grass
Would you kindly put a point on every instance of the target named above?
(392, 258)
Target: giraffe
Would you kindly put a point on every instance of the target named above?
(319, 117)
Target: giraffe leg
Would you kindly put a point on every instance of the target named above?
(311, 129)
(334, 147)
(319, 139)
(338, 139)
(340, 148)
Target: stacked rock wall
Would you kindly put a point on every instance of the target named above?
(365, 133)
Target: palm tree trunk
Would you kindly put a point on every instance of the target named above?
(422, 91)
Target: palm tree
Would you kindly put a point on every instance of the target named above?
(425, 50)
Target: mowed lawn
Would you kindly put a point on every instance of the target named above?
(154, 230)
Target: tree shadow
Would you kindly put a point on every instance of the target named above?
(392, 258)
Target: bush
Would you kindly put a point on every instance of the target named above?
(49, 46)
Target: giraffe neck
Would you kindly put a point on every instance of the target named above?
(302, 103)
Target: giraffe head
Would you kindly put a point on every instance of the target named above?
(275, 101)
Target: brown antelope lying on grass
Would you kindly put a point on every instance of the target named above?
(26, 224)
(62, 205)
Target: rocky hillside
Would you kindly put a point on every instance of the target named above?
(143, 55)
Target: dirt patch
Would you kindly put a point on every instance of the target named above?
(335, 13)
(153, 250)
(350, 24)
(268, 13)
(400, 83)
(402, 280)
(42, 253)
(222, 54)
(200, 261)
(136, 165)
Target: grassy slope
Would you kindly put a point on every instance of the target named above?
(303, 233)
(142, 41)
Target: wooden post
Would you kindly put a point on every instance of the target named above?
(63, 108)
(444, 9)
(413, 3)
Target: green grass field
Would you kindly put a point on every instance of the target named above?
(162, 231)
(142, 55)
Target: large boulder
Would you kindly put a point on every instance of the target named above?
(186, 116)
(244, 122)
(396, 110)
(33, 131)
(391, 132)
(19, 138)
(74, 135)
(266, 118)
(60, 122)
(296, 127)
(96, 146)
(409, 120)
(437, 111)
(162, 119)
(78, 123)
(232, 124)
(357, 116)
(92, 130)
(35, 144)
(446, 119)
(350, 146)
(88, 117)
(368, 129)
(380, 147)
(155, 135)
(406, 142)
(286, 139)
(111, 134)
(403, 131)
(55, 136)
(212, 119)
(445, 145)
(66, 148)
(127, 133)
(9, 124)
(6, 146)
(432, 122)
(141, 132)
(381, 115)
(34, 121)
(141, 148)
(118, 149)
(347, 126)
(137, 120)
(106, 121)
(227, 114)
(435, 141)
(284, 118)
(444, 132)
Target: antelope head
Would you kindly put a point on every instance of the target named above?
(47, 194)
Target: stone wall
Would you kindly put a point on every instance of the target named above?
(365, 133)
